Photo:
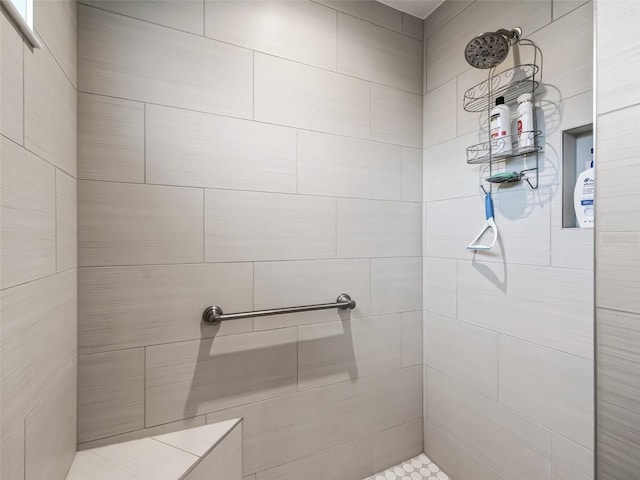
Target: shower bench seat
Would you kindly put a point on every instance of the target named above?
(207, 452)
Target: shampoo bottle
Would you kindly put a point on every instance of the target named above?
(500, 125)
(583, 196)
(526, 134)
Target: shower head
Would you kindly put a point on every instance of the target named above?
(490, 49)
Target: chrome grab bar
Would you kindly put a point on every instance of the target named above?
(213, 315)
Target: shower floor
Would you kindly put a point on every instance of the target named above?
(418, 468)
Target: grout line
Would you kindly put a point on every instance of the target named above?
(204, 226)
(55, 217)
(144, 143)
(48, 162)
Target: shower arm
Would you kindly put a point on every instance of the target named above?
(213, 315)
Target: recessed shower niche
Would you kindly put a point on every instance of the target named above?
(577, 147)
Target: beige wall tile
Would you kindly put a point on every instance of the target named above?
(618, 172)
(201, 150)
(617, 443)
(125, 307)
(440, 286)
(507, 441)
(411, 174)
(186, 379)
(442, 450)
(56, 24)
(111, 393)
(523, 223)
(440, 114)
(293, 426)
(553, 305)
(570, 461)
(110, 139)
(371, 228)
(11, 75)
(464, 352)
(183, 15)
(562, 7)
(333, 352)
(348, 167)
(617, 65)
(396, 445)
(225, 459)
(553, 388)
(12, 454)
(351, 460)
(50, 430)
(307, 282)
(263, 226)
(411, 338)
(396, 285)
(111, 46)
(50, 123)
(200, 440)
(28, 221)
(373, 53)
(288, 93)
(617, 267)
(39, 335)
(369, 10)
(124, 224)
(300, 31)
(396, 116)
(66, 222)
(443, 15)
(412, 26)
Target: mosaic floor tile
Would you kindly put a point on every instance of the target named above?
(418, 468)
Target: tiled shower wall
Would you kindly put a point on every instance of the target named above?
(38, 299)
(252, 155)
(617, 241)
(508, 335)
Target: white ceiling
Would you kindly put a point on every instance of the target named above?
(417, 8)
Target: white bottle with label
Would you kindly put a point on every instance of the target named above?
(526, 134)
(500, 126)
(583, 197)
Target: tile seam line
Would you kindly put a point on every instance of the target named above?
(61, 272)
(262, 122)
(448, 21)
(218, 189)
(55, 59)
(617, 310)
(49, 162)
(297, 62)
(88, 354)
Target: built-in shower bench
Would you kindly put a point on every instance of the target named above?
(202, 453)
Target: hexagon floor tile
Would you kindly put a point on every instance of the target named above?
(418, 468)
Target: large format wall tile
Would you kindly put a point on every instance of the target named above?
(394, 445)
(12, 454)
(396, 116)
(56, 23)
(440, 286)
(179, 14)
(618, 268)
(300, 31)
(110, 393)
(11, 76)
(293, 426)
(125, 307)
(178, 69)
(411, 174)
(368, 228)
(307, 282)
(377, 54)
(440, 108)
(443, 15)
(348, 167)
(28, 221)
(127, 224)
(49, 111)
(466, 353)
(202, 150)
(66, 222)
(507, 441)
(553, 388)
(265, 226)
(618, 440)
(411, 338)
(110, 139)
(333, 352)
(39, 336)
(369, 10)
(186, 379)
(50, 430)
(570, 461)
(396, 285)
(288, 93)
(351, 460)
(548, 306)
